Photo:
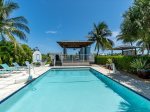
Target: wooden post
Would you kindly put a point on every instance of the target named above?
(112, 52)
(122, 52)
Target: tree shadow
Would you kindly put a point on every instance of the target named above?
(126, 107)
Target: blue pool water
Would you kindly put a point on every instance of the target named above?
(75, 90)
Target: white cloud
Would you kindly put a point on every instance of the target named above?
(115, 33)
(51, 32)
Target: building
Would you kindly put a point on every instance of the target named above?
(83, 57)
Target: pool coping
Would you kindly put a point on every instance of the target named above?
(55, 67)
(90, 67)
(123, 85)
(26, 84)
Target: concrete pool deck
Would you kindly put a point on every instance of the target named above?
(17, 80)
(139, 85)
(11, 84)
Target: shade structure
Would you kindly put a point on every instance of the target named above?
(74, 44)
(125, 47)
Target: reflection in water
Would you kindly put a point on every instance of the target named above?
(126, 107)
(75, 81)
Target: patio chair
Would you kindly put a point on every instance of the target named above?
(4, 74)
(7, 68)
(3, 71)
(18, 67)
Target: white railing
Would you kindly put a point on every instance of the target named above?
(76, 58)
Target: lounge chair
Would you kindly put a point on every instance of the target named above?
(3, 71)
(7, 68)
(18, 67)
(4, 74)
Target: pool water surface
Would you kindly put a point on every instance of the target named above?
(75, 90)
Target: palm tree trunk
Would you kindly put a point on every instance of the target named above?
(97, 52)
(142, 51)
(147, 47)
(147, 51)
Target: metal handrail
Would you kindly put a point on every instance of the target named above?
(77, 58)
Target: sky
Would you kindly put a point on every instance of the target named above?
(57, 20)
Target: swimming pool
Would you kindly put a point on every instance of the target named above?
(75, 90)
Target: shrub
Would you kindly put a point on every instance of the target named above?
(139, 64)
(121, 62)
(0, 60)
(46, 58)
(10, 53)
(37, 64)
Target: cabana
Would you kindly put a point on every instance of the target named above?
(83, 56)
(127, 49)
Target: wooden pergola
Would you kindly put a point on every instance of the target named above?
(74, 44)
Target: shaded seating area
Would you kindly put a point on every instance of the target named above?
(127, 49)
(82, 57)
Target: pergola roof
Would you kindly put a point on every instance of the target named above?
(125, 47)
(74, 44)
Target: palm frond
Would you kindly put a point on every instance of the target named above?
(9, 7)
(20, 34)
(11, 28)
(19, 19)
(100, 35)
(21, 26)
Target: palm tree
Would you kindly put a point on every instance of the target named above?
(100, 36)
(136, 25)
(10, 28)
(128, 28)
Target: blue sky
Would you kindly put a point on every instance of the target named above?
(55, 20)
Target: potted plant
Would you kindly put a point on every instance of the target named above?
(109, 64)
(37, 64)
(141, 67)
(146, 71)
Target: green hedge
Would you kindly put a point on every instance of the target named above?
(121, 62)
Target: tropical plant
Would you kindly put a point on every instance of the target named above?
(100, 36)
(136, 25)
(10, 28)
(46, 59)
(122, 62)
(8, 55)
(37, 64)
(0, 60)
(109, 61)
(139, 64)
(129, 28)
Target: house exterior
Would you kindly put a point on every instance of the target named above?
(37, 57)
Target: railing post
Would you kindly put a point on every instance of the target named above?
(62, 58)
(30, 76)
(83, 57)
(54, 62)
